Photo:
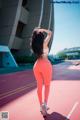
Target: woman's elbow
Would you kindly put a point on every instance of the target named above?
(50, 33)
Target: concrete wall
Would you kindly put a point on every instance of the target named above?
(0, 3)
(34, 8)
(17, 17)
(24, 15)
(8, 12)
(17, 43)
(23, 19)
(46, 18)
(12, 12)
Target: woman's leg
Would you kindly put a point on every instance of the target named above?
(39, 79)
(47, 79)
(39, 90)
(46, 93)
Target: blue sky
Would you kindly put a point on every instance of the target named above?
(67, 27)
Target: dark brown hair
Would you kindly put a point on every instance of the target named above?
(37, 40)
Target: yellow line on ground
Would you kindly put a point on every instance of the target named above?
(17, 90)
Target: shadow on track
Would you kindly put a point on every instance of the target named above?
(55, 116)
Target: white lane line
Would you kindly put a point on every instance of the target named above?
(72, 110)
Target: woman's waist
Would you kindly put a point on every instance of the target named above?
(43, 60)
(42, 63)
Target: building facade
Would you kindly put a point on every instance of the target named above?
(18, 18)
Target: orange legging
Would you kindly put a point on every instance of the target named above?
(43, 73)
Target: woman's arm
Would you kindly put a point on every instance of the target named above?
(48, 37)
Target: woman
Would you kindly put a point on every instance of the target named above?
(42, 68)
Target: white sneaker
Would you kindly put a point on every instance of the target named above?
(46, 107)
(43, 110)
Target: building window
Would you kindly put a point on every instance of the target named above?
(24, 3)
(19, 29)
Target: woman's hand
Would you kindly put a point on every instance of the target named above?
(39, 30)
(44, 30)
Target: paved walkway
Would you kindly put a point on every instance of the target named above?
(22, 101)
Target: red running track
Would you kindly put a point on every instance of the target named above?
(64, 99)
